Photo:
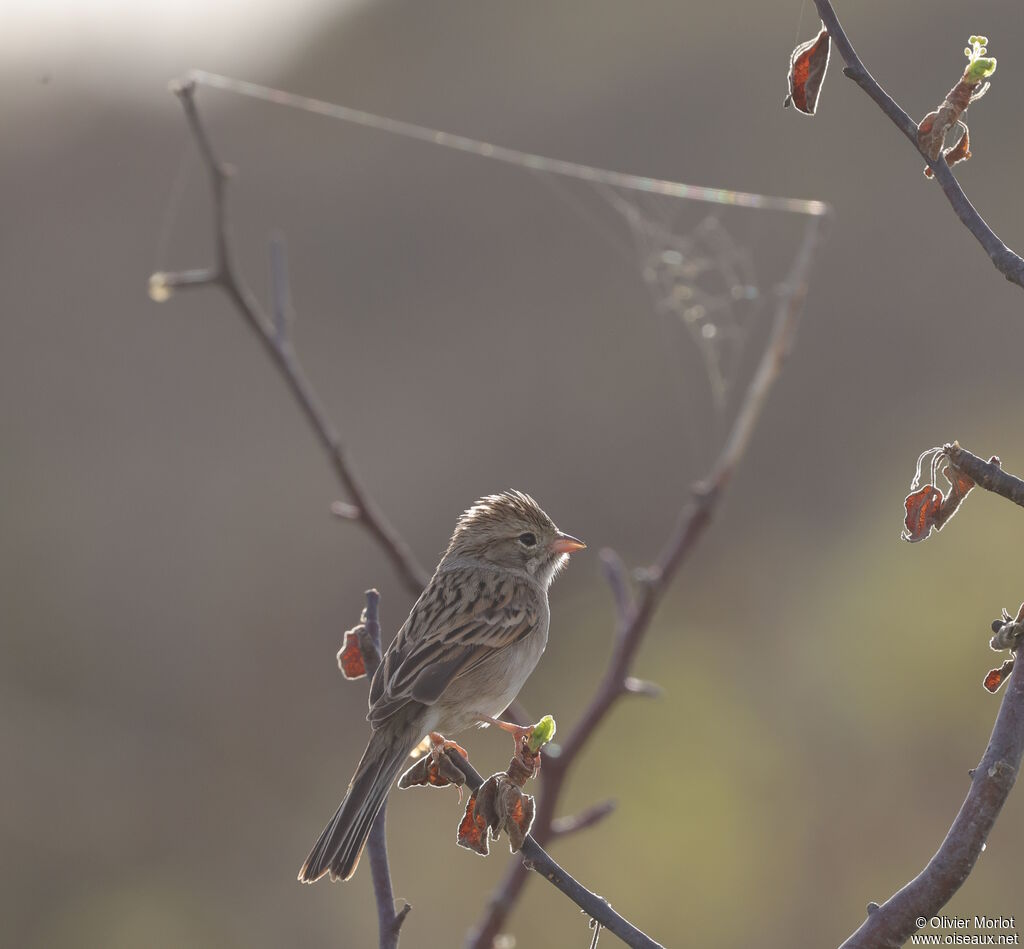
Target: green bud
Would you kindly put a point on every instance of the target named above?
(980, 69)
(543, 732)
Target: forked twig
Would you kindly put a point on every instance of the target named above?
(634, 617)
(634, 614)
(273, 334)
(537, 859)
(278, 346)
(1008, 263)
(890, 925)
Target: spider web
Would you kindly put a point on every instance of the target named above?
(699, 273)
(702, 278)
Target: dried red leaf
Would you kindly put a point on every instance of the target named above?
(436, 771)
(350, 656)
(486, 807)
(922, 511)
(960, 482)
(517, 811)
(996, 677)
(960, 486)
(993, 680)
(473, 830)
(807, 67)
(928, 508)
(497, 805)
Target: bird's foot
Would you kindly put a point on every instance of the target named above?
(439, 745)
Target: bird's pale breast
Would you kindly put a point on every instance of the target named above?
(489, 688)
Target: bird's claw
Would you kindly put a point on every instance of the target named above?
(439, 745)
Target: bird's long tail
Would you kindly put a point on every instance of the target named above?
(339, 847)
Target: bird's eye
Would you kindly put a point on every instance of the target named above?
(528, 539)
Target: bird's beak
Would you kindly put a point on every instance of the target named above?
(566, 544)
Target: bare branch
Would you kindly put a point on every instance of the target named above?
(986, 474)
(280, 291)
(890, 925)
(388, 921)
(634, 613)
(633, 625)
(617, 575)
(537, 859)
(1009, 264)
(224, 274)
(273, 334)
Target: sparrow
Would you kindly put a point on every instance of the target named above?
(467, 647)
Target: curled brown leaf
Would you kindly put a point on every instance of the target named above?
(922, 509)
(473, 830)
(927, 507)
(807, 67)
(961, 151)
(436, 771)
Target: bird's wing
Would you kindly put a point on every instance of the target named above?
(464, 616)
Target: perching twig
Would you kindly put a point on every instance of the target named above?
(635, 618)
(388, 921)
(633, 615)
(1009, 264)
(890, 925)
(537, 859)
(272, 333)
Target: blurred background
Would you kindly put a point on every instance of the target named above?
(174, 729)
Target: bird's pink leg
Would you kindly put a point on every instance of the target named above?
(519, 733)
(438, 744)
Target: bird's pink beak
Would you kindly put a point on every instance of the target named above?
(566, 544)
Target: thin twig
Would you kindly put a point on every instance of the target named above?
(986, 474)
(563, 826)
(890, 925)
(274, 338)
(634, 616)
(388, 921)
(537, 859)
(617, 575)
(635, 621)
(1009, 264)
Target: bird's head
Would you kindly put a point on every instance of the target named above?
(511, 530)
